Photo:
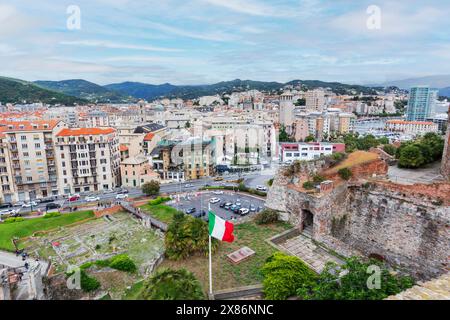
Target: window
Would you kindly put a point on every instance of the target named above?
(37, 145)
(38, 153)
(29, 179)
(26, 154)
(23, 138)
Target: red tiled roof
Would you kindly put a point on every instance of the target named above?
(123, 147)
(149, 136)
(84, 132)
(28, 125)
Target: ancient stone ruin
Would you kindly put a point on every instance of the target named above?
(407, 226)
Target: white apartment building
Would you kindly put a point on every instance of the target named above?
(88, 159)
(289, 152)
(31, 151)
(412, 127)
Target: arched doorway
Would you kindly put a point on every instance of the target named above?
(307, 221)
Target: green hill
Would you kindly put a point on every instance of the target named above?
(19, 91)
(85, 90)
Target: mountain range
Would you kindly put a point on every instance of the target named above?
(79, 91)
(441, 82)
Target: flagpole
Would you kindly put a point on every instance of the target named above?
(210, 259)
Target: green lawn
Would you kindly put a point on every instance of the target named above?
(30, 226)
(226, 274)
(160, 211)
(135, 292)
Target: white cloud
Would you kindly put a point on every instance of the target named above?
(251, 7)
(116, 45)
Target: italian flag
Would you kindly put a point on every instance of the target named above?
(220, 228)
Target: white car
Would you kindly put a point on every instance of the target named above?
(214, 200)
(217, 192)
(243, 211)
(29, 204)
(261, 188)
(188, 185)
(121, 196)
(9, 211)
(92, 199)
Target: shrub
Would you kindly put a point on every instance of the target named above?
(345, 173)
(333, 284)
(151, 188)
(122, 262)
(390, 149)
(270, 182)
(87, 282)
(159, 200)
(267, 216)
(186, 236)
(168, 284)
(283, 275)
(308, 185)
(13, 220)
(337, 156)
(51, 215)
(318, 179)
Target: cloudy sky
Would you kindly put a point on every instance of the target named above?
(205, 41)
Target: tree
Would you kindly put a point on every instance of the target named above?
(187, 125)
(310, 138)
(300, 102)
(349, 282)
(186, 236)
(151, 188)
(283, 275)
(390, 149)
(411, 157)
(169, 284)
(283, 136)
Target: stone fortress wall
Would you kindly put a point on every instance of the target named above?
(407, 226)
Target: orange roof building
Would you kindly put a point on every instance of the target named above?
(74, 132)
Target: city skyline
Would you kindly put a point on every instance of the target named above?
(208, 41)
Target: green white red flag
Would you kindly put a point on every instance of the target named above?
(220, 228)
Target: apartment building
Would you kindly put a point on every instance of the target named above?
(308, 151)
(8, 189)
(136, 171)
(188, 159)
(88, 159)
(315, 100)
(31, 151)
(412, 127)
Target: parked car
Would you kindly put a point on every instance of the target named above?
(47, 200)
(18, 204)
(261, 188)
(9, 211)
(214, 200)
(6, 205)
(121, 196)
(222, 204)
(188, 185)
(29, 204)
(74, 197)
(243, 211)
(252, 208)
(227, 206)
(124, 191)
(51, 206)
(218, 179)
(190, 210)
(218, 192)
(92, 199)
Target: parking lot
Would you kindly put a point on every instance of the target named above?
(200, 201)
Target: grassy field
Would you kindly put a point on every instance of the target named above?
(30, 226)
(161, 212)
(226, 274)
(134, 293)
